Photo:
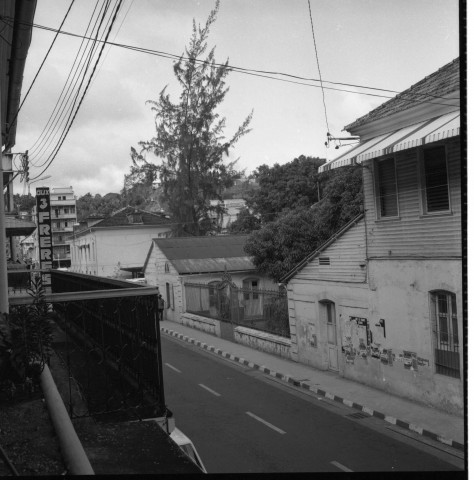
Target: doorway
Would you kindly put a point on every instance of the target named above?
(329, 309)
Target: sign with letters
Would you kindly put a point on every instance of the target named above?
(45, 236)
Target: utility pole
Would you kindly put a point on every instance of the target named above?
(4, 307)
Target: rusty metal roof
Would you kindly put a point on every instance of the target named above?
(206, 254)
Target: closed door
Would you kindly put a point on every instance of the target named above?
(332, 335)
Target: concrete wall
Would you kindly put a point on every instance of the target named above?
(265, 342)
(208, 325)
(262, 341)
(159, 271)
(398, 358)
(104, 252)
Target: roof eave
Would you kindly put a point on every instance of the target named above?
(403, 118)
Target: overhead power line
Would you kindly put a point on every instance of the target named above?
(73, 117)
(43, 62)
(319, 69)
(261, 73)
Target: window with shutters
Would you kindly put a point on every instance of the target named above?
(444, 323)
(434, 180)
(386, 188)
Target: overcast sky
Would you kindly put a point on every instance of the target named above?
(383, 44)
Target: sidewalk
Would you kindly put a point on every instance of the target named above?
(426, 421)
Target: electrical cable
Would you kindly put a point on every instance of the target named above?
(77, 104)
(61, 100)
(68, 102)
(254, 72)
(319, 69)
(42, 63)
(118, 5)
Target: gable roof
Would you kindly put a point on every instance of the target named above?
(122, 218)
(205, 254)
(323, 247)
(442, 83)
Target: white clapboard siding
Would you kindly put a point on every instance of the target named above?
(346, 255)
(414, 234)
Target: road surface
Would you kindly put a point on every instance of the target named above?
(242, 421)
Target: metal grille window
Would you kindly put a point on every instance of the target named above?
(435, 180)
(387, 188)
(446, 335)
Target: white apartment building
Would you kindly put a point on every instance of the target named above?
(63, 218)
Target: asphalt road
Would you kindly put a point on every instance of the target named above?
(241, 421)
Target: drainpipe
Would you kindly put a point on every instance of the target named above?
(3, 250)
(72, 450)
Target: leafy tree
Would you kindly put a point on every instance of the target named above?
(88, 205)
(287, 186)
(281, 244)
(190, 140)
(25, 202)
(246, 222)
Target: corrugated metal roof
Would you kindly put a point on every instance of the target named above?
(124, 218)
(441, 83)
(204, 265)
(222, 246)
(206, 254)
(18, 228)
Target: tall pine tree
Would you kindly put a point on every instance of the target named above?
(190, 138)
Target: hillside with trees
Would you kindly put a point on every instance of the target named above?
(295, 210)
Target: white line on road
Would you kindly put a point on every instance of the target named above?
(210, 390)
(172, 368)
(250, 414)
(342, 467)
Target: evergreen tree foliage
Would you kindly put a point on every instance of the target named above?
(189, 140)
(279, 245)
(288, 186)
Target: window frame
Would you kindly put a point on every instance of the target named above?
(445, 349)
(422, 182)
(377, 195)
(249, 289)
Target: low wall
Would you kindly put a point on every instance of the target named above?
(208, 325)
(265, 342)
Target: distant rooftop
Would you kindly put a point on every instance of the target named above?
(206, 254)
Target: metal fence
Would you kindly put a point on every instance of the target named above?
(265, 310)
(109, 341)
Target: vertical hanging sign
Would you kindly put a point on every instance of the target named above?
(43, 208)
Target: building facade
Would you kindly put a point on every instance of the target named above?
(63, 218)
(383, 302)
(172, 262)
(116, 246)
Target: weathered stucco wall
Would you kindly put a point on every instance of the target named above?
(208, 325)
(383, 329)
(265, 342)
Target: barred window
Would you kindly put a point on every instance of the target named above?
(435, 178)
(446, 335)
(386, 186)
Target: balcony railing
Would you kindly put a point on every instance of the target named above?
(107, 335)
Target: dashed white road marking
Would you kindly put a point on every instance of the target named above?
(342, 467)
(279, 430)
(210, 390)
(173, 368)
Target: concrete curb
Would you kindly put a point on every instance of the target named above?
(318, 391)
